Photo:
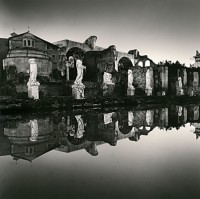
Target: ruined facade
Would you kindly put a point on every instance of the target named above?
(25, 46)
(107, 71)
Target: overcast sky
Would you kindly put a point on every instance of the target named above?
(162, 29)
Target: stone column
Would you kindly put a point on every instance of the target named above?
(108, 85)
(33, 84)
(131, 88)
(196, 82)
(148, 89)
(164, 80)
(130, 118)
(179, 90)
(190, 79)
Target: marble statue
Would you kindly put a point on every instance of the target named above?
(33, 84)
(80, 69)
(33, 70)
(180, 85)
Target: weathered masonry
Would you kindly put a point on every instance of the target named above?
(84, 70)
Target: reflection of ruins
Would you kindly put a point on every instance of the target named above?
(30, 138)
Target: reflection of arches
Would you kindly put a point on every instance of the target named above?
(123, 124)
(147, 63)
(124, 65)
(144, 130)
(76, 53)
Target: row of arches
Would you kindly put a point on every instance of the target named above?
(122, 76)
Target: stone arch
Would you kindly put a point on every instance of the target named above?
(125, 75)
(76, 53)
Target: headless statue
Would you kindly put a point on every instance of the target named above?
(80, 69)
(33, 70)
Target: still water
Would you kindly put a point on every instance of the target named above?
(115, 154)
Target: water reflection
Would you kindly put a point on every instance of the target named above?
(31, 136)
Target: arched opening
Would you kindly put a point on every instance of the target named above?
(125, 75)
(147, 63)
(123, 123)
(140, 63)
(76, 53)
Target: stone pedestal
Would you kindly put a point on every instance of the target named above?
(163, 93)
(180, 91)
(108, 89)
(148, 91)
(33, 89)
(191, 93)
(131, 91)
(78, 91)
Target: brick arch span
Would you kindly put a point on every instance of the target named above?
(125, 79)
(123, 57)
(76, 53)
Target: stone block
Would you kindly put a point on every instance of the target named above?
(78, 91)
(33, 90)
(108, 89)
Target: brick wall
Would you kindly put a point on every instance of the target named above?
(139, 80)
(3, 53)
(22, 64)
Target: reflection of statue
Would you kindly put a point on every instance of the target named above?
(33, 70)
(91, 42)
(79, 76)
(34, 130)
(80, 130)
